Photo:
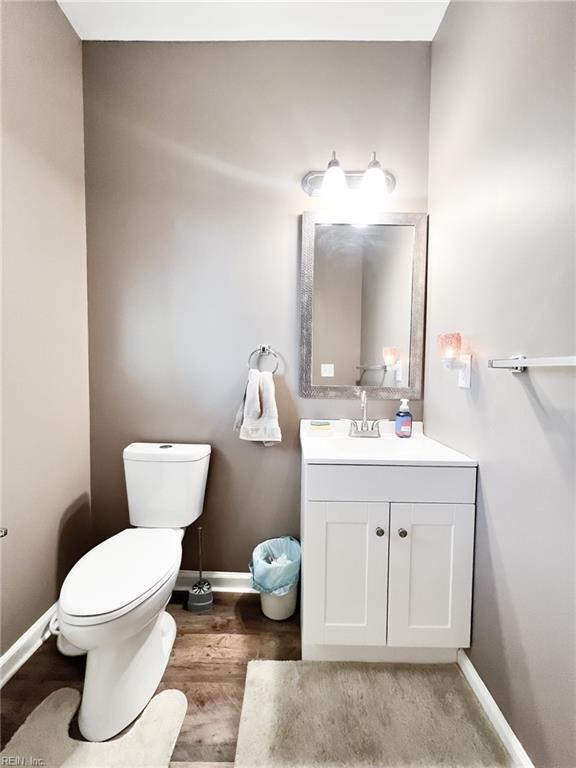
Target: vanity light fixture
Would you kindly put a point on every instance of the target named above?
(374, 182)
(450, 351)
(392, 362)
(334, 182)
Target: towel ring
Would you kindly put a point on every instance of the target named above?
(264, 349)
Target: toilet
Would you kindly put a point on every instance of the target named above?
(112, 602)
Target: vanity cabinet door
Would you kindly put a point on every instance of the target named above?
(431, 554)
(346, 572)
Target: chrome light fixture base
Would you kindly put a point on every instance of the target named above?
(312, 182)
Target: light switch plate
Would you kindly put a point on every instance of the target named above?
(327, 370)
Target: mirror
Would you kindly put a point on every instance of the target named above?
(362, 305)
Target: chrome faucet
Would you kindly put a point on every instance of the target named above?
(364, 428)
(364, 408)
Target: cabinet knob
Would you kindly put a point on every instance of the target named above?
(380, 531)
(402, 532)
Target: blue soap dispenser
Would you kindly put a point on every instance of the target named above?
(404, 420)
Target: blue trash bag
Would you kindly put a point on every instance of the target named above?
(275, 565)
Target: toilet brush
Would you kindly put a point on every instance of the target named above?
(200, 595)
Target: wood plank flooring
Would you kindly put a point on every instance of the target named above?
(208, 663)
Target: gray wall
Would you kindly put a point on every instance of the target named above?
(501, 271)
(194, 155)
(45, 441)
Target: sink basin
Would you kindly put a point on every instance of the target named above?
(333, 445)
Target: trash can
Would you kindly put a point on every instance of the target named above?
(275, 570)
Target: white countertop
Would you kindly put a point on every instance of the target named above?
(334, 446)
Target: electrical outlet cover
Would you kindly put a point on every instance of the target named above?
(327, 370)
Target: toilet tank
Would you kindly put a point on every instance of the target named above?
(165, 483)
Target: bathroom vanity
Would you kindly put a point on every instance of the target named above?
(387, 528)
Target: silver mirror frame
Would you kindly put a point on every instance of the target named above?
(414, 389)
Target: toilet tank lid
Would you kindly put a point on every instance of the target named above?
(166, 452)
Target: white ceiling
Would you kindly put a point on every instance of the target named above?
(255, 19)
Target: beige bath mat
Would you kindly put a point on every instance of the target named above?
(148, 744)
(299, 714)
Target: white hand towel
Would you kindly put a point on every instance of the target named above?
(250, 408)
(257, 417)
(269, 409)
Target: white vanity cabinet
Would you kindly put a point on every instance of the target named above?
(387, 529)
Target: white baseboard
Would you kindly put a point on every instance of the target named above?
(25, 646)
(493, 712)
(222, 581)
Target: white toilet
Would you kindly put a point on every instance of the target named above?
(112, 601)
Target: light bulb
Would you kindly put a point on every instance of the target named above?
(374, 181)
(390, 356)
(334, 182)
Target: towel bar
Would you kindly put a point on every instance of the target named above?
(519, 363)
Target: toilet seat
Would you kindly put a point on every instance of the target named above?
(119, 574)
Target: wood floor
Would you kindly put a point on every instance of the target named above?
(208, 663)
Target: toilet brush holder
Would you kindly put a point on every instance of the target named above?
(200, 595)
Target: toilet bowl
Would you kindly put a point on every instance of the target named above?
(112, 602)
